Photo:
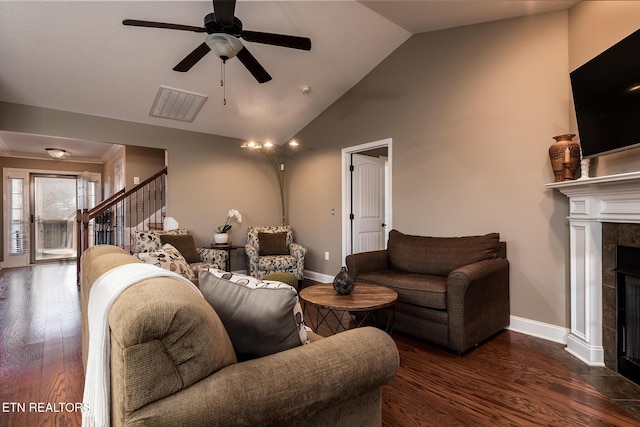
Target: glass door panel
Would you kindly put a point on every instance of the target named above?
(54, 204)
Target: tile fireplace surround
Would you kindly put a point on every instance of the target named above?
(612, 201)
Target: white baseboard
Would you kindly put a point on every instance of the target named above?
(539, 329)
(318, 277)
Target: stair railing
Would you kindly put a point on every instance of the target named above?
(113, 221)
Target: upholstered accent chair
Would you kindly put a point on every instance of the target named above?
(271, 249)
(182, 256)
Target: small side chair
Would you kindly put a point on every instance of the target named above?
(271, 249)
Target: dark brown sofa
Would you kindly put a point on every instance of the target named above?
(452, 291)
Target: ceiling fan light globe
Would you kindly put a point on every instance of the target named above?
(223, 45)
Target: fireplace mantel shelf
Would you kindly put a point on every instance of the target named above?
(589, 182)
(592, 201)
(612, 198)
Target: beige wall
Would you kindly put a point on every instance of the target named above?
(142, 162)
(108, 171)
(471, 112)
(593, 27)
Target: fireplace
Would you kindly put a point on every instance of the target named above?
(604, 213)
(628, 311)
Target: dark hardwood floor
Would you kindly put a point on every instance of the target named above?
(512, 380)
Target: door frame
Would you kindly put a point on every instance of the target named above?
(28, 171)
(346, 187)
(23, 259)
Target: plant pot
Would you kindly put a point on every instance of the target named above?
(220, 238)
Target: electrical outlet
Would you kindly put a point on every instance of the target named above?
(326, 256)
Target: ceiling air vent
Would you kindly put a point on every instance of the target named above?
(177, 104)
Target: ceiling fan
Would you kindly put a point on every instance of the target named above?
(223, 32)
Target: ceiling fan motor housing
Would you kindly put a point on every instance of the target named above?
(213, 26)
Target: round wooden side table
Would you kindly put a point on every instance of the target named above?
(365, 298)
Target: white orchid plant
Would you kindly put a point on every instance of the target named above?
(233, 213)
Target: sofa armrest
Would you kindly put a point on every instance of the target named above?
(366, 262)
(477, 300)
(284, 388)
(164, 338)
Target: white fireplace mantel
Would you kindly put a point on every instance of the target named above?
(592, 201)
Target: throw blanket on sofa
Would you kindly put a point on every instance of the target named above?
(103, 293)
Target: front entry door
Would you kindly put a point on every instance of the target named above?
(53, 217)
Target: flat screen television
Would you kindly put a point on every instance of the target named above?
(606, 95)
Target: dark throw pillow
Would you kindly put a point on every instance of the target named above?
(273, 244)
(261, 318)
(184, 244)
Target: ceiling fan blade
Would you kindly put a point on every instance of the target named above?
(295, 42)
(137, 23)
(190, 60)
(252, 64)
(224, 11)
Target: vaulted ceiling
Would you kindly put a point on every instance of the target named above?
(78, 57)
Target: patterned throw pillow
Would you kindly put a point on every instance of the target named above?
(238, 278)
(261, 318)
(149, 240)
(168, 258)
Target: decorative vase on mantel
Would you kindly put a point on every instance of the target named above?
(564, 150)
(220, 238)
(343, 283)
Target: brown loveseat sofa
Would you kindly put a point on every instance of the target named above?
(452, 291)
(173, 364)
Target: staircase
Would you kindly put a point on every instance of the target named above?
(113, 221)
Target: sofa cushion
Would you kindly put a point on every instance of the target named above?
(184, 244)
(168, 258)
(417, 289)
(273, 244)
(438, 255)
(261, 318)
(277, 263)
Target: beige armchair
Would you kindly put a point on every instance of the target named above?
(271, 249)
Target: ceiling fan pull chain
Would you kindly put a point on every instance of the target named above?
(224, 88)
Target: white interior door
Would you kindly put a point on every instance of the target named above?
(16, 217)
(368, 180)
